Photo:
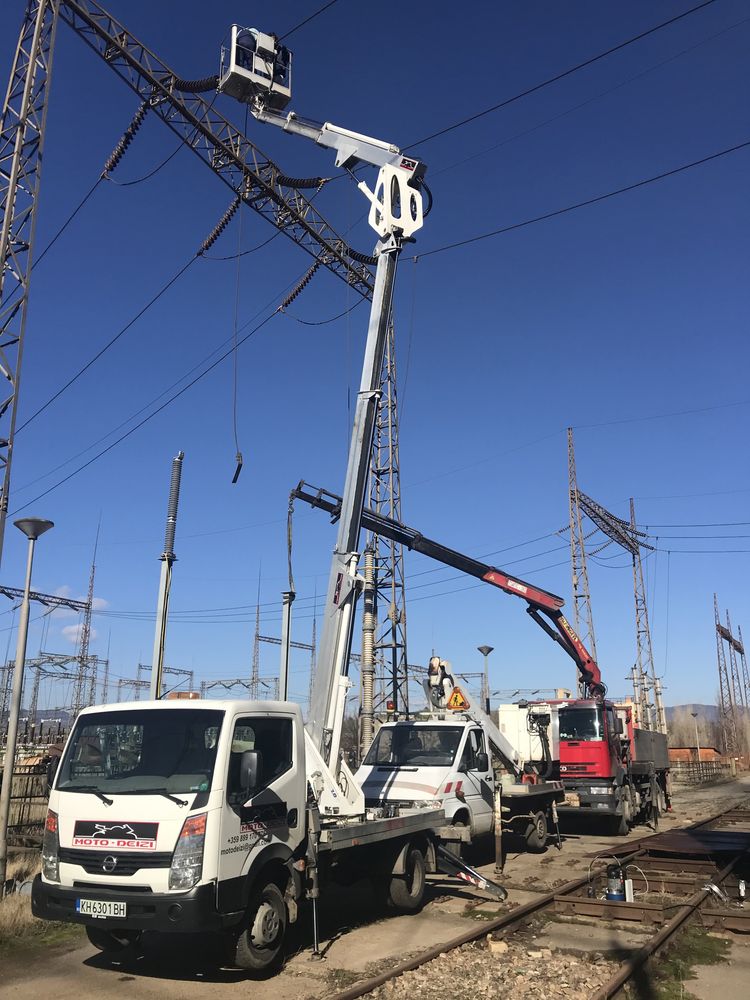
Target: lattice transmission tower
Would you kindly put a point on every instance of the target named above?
(727, 709)
(21, 146)
(583, 619)
(384, 497)
(87, 666)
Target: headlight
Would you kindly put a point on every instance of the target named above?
(187, 860)
(600, 791)
(50, 849)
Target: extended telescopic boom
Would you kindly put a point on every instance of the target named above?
(543, 606)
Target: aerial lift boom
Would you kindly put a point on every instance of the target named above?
(257, 70)
(543, 606)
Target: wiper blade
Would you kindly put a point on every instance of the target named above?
(155, 791)
(88, 788)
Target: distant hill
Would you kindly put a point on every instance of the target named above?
(706, 713)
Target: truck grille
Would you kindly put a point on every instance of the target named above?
(126, 864)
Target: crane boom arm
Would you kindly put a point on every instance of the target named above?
(543, 606)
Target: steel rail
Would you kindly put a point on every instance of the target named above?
(543, 902)
(630, 967)
(507, 920)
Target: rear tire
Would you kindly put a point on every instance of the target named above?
(112, 942)
(259, 945)
(536, 834)
(406, 892)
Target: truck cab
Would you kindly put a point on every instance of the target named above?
(442, 761)
(163, 814)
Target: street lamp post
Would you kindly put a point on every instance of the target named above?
(32, 527)
(697, 742)
(485, 651)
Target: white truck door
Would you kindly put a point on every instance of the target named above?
(273, 812)
(478, 781)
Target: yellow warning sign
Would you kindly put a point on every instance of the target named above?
(458, 701)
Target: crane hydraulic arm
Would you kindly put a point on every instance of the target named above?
(542, 606)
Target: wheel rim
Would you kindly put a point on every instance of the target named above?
(266, 925)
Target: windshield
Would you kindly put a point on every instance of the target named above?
(171, 750)
(430, 746)
(581, 724)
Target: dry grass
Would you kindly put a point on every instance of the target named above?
(16, 921)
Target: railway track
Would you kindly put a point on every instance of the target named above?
(679, 863)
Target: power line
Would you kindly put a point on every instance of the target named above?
(110, 343)
(307, 20)
(588, 201)
(589, 100)
(150, 416)
(560, 76)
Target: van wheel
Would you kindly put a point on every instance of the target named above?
(259, 945)
(406, 892)
(111, 942)
(457, 847)
(536, 834)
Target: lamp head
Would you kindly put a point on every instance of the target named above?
(485, 650)
(33, 527)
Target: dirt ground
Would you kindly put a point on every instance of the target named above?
(549, 958)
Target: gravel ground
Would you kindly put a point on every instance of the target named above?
(510, 969)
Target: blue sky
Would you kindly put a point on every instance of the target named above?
(605, 319)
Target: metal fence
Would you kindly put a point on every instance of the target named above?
(28, 804)
(693, 772)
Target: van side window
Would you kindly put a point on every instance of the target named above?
(474, 746)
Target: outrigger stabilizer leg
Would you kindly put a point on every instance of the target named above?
(449, 864)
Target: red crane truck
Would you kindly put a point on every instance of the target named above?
(608, 766)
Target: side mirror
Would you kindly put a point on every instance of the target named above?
(620, 727)
(483, 762)
(52, 771)
(249, 771)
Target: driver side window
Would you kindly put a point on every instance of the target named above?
(271, 738)
(474, 746)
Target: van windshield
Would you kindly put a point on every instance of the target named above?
(581, 723)
(172, 750)
(415, 746)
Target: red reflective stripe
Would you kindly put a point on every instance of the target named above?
(448, 787)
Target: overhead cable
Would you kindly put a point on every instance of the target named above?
(307, 20)
(588, 201)
(560, 76)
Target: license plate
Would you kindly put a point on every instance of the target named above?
(101, 908)
(572, 799)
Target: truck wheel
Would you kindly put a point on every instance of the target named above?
(536, 834)
(111, 942)
(406, 892)
(259, 945)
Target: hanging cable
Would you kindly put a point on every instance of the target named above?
(324, 322)
(207, 243)
(235, 364)
(310, 17)
(289, 523)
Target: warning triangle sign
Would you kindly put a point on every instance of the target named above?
(458, 701)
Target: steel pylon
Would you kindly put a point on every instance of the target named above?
(583, 618)
(384, 497)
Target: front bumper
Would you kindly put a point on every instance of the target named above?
(147, 911)
(595, 799)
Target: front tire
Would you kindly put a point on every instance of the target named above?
(112, 942)
(259, 945)
(406, 892)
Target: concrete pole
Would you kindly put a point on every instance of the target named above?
(287, 599)
(697, 742)
(367, 732)
(15, 711)
(165, 579)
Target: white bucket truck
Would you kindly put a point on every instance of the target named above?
(221, 816)
(454, 752)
